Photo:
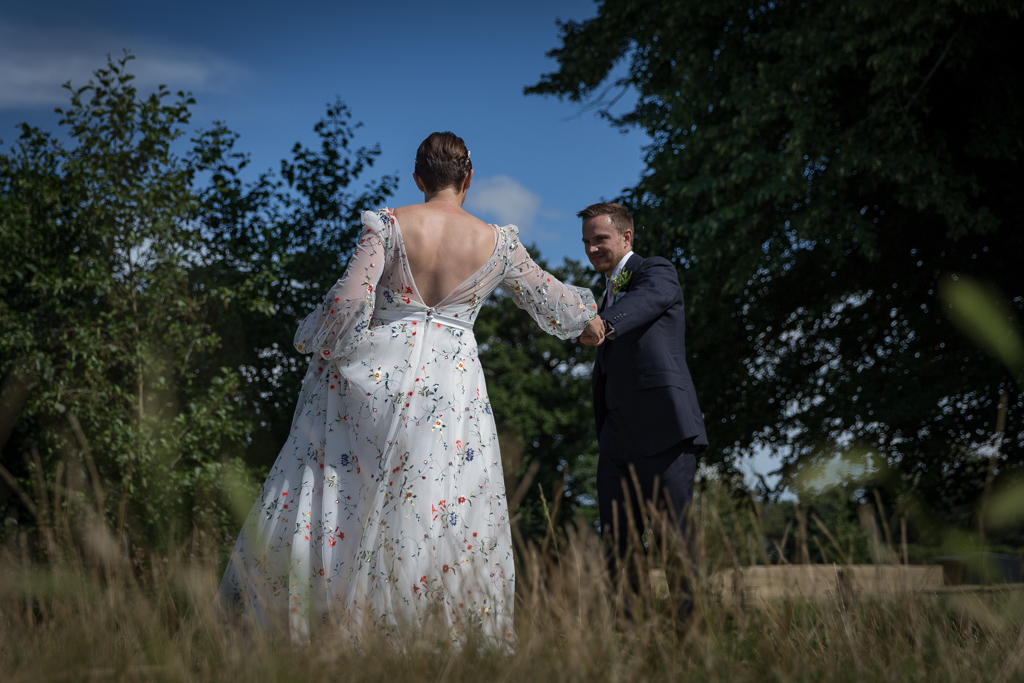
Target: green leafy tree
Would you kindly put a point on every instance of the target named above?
(100, 330)
(815, 171)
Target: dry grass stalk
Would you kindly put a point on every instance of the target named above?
(88, 613)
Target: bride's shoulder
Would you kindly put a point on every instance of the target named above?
(378, 220)
(379, 224)
(509, 233)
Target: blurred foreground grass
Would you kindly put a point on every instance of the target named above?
(88, 616)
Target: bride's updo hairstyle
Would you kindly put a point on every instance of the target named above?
(442, 161)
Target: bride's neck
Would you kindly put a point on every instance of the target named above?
(448, 196)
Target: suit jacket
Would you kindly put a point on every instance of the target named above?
(644, 399)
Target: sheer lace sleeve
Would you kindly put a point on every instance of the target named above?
(560, 309)
(340, 323)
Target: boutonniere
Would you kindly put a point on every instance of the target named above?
(621, 281)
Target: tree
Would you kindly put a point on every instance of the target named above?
(815, 171)
(100, 329)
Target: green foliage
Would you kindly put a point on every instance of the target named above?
(815, 170)
(99, 321)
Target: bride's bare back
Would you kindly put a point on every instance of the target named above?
(445, 246)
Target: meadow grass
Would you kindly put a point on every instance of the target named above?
(89, 614)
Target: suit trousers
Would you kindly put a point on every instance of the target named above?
(629, 489)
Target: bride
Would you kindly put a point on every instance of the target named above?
(386, 509)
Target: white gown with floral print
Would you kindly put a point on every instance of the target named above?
(386, 507)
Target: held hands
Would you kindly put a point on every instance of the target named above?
(593, 335)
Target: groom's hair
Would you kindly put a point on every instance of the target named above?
(617, 212)
(442, 161)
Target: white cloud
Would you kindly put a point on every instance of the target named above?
(34, 65)
(503, 200)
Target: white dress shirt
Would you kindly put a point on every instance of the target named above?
(609, 294)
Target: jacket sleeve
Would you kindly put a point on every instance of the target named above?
(654, 289)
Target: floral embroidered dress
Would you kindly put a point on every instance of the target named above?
(386, 507)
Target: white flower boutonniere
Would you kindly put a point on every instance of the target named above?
(621, 281)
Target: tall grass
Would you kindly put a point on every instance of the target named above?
(88, 614)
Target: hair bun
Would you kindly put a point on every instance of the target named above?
(443, 161)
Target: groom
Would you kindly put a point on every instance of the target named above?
(649, 426)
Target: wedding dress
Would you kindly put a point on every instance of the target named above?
(386, 507)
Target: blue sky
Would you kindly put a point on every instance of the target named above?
(405, 69)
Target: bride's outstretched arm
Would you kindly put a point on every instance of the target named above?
(560, 309)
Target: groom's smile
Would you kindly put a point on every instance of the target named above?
(604, 245)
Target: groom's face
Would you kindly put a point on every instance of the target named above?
(604, 244)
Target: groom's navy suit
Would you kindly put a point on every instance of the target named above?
(648, 420)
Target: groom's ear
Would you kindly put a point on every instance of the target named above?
(628, 234)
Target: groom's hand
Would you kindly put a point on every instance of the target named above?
(593, 335)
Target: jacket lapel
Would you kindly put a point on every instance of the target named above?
(631, 265)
